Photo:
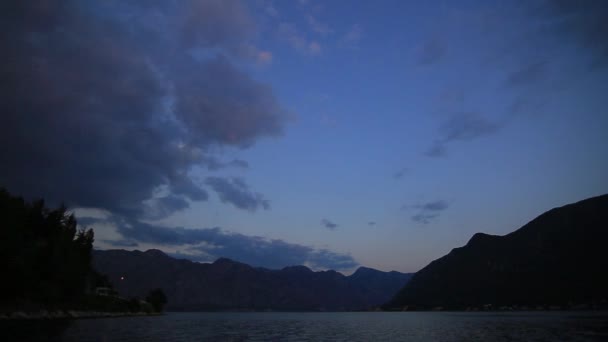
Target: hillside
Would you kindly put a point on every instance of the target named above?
(230, 285)
(559, 258)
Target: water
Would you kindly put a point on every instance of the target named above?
(360, 326)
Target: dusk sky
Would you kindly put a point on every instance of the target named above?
(326, 133)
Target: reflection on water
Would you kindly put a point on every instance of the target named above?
(361, 326)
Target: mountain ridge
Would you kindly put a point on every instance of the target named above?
(555, 259)
(226, 284)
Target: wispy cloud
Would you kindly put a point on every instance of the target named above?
(328, 121)
(431, 51)
(317, 26)
(426, 212)
(352, 37)
(463, 126)
(527, 74)
(208, 244)
(298, 40)
(271, 10)
(582, 22)
(329, 224)
(401, 173)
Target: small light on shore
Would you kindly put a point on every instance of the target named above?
(122, 278)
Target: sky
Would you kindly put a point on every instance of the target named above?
(331, 134)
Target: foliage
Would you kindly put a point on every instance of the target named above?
(157, 298)
(44, 258)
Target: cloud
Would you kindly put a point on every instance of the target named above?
(104, 105)
(401, 173)
(264, 57)
(161, 207)
(314, 48)
(431, 52)
(329, 224)
(297, 40)
(371, 223)
(317, 26)
(463, 126)
(236, 192)
(552, 44)
(213, 164)
(438, 205)
(353, 36)
(428, 211)
(328, 121)
(527, 74)
(208, 244)
(271, 11)
(209, 23)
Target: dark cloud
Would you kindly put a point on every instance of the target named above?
(431, 52)
(104, 104)
(213, 164)
(329, 224)
(428, 211)
(371, 223)
(209, 244)
(464, 126)
(220, 104)
(162, 207)
(236, 192)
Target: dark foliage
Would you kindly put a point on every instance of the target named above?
(558, 259)
(157, 298)
(45, 260)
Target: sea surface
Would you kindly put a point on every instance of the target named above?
(297, 326)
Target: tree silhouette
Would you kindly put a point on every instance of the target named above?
(44, 258)
(157, 298)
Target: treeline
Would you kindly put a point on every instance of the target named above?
(45, 262)
(45, 258)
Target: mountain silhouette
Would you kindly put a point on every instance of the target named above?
(557, 259)
(229, 285)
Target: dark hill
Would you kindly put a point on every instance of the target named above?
(559, 258)
(230, 285)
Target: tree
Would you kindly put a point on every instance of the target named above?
(157, 298)
(44, 258)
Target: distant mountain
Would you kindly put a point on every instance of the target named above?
(559, 258)
(227, 284)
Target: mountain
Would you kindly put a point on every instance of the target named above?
(559, 258)
(230, 285)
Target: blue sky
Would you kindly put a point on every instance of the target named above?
(325, 133)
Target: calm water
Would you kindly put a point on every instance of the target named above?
(364, 326)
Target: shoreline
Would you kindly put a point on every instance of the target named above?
(71, 314)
